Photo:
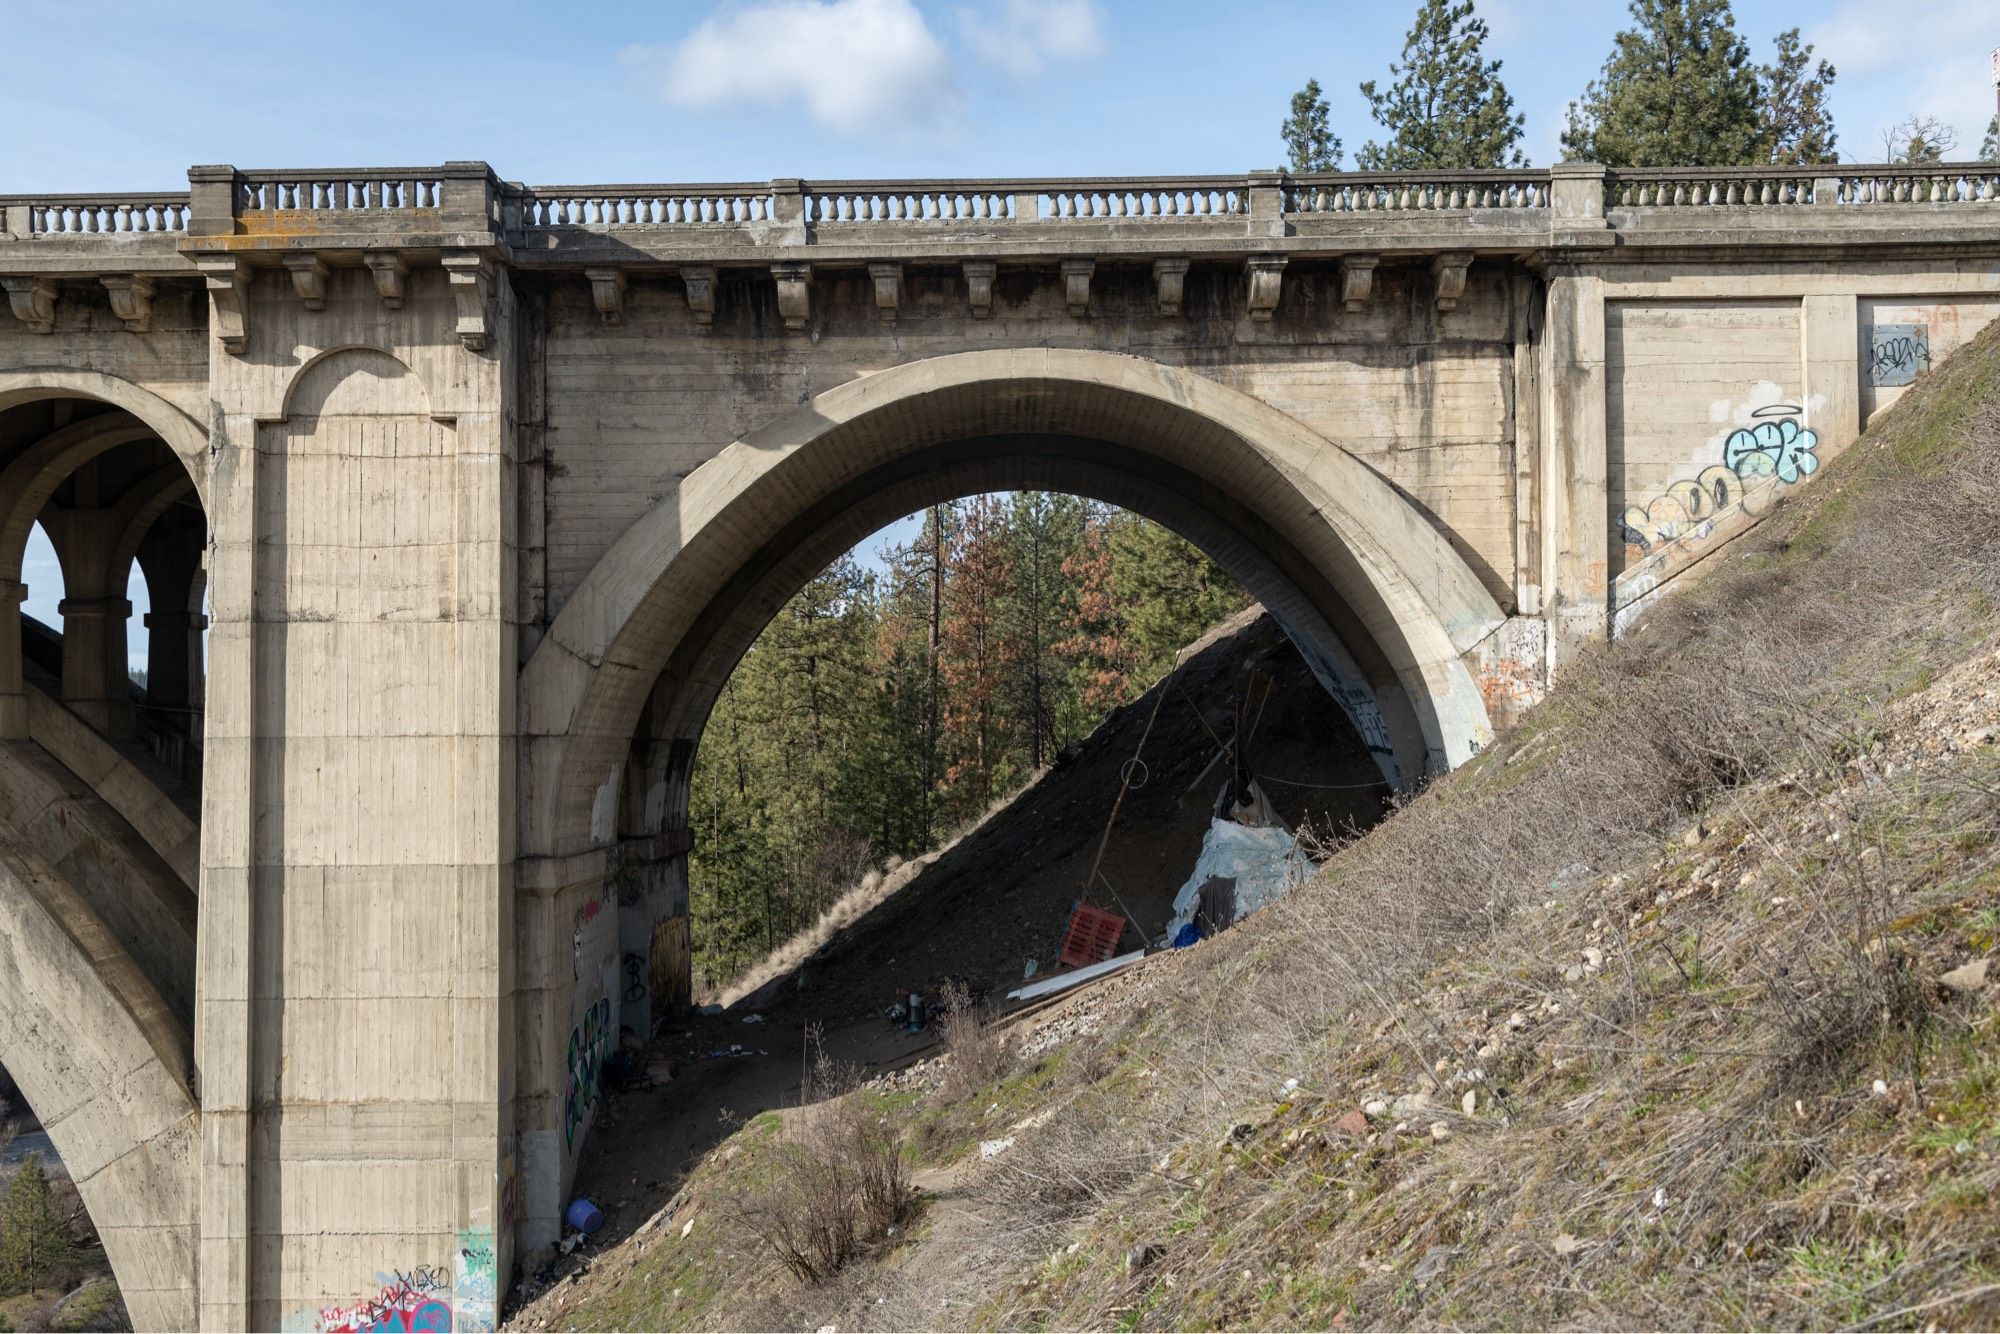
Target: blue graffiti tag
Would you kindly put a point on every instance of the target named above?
(1778, 445)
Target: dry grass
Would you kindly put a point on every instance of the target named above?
(981, 1052)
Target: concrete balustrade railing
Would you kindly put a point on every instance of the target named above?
(93, 215)
(272, 192)
(1402, 192)
(603, 207)
(1972, 183)
(1823, 185)
(1706, 188)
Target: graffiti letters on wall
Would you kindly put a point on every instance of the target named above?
(589, 1045)
(1775, 444)
(418, 1298)
(475, 1289)
(424, 1299)
(1898, 354)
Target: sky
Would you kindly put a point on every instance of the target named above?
(115, 95)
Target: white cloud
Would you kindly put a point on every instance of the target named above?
(1022, 38)
(854, 65)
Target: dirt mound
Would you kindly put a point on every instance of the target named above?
(1002, 896)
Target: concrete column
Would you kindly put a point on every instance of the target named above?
(13, 693)
(171, 640)
(170, 556)
(1576, 504)
(95, 682)
(357, 929)
(1831, 346)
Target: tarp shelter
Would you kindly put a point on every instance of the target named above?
(1252, 850)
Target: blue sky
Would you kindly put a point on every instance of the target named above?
(110, 95)
(121, 95)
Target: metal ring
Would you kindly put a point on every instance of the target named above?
(1125, 774)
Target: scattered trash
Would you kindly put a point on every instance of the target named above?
(1143, 1257)
(1049, 986)
(1028, 969)
(687, 1227)
(1567, 1244)
(992, 1148)
(1969, 977)
(1092, 936)
(753, 1018)
(709, 1010)
(584, 1216)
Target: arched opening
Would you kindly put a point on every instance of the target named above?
(871, 723)
(617, 693)
(100, 745)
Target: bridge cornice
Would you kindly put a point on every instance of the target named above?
(421, 213)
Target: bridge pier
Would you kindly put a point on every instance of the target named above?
(358, 880)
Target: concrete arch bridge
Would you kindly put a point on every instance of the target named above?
(457, 499)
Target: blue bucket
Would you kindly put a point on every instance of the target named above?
(584, 1216)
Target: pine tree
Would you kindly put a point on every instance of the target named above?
(1989, 147)
(1309, 144)
(1798, 123)
(35, 1247)
(1447, 107)
(1043, 529)
(1096, 644)
(977, 655)
(1679, 90)
(1170, 590)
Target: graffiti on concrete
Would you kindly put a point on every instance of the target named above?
(1898, 354)
(1777, 445)
(589, 1045)
(1774, 444)
(416, 1299)
(1643, 589)
(474, 1288)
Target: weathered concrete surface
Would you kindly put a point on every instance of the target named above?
(486, 487)
(101, 1054)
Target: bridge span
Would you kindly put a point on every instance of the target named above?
(462, 497)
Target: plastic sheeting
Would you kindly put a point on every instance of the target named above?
(1264, 861)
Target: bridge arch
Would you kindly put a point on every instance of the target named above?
(97, 863)
(104, 1060)
(1354, 569)
(184, 435)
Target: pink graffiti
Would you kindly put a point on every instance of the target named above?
(402, 1307)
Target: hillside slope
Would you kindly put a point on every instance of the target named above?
(1673, 1009)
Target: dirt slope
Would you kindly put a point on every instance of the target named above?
(999, 897)
(1678, 1007)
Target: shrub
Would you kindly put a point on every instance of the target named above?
(840, 1184)
(981, 1053)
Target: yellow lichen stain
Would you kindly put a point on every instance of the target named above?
(313, 222)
